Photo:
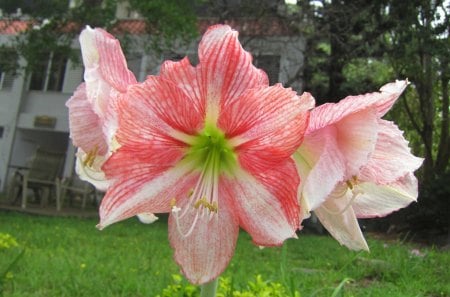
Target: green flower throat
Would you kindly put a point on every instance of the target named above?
(211, 151)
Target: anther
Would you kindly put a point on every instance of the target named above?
(90, 157)
(349, 184)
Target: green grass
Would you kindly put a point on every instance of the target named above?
(69, 257)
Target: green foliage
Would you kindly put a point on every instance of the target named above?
(257, 288)
(168, 20)
(179, 288)
(261, 288)
(69, 257)
(364, 75)
(10, 253)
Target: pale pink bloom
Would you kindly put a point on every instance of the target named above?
(355, 165)
(92, 114)
(211, 145)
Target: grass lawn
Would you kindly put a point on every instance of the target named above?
(69, 257)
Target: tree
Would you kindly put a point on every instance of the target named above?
(419, 50)
(52, 25)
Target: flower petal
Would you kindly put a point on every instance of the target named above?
(390, 92)
(392, 157)
(266, 124)
(225, 69)
(338, 217)
(206, 252)
(381, 200)
(321, 166)
(100, 49)
(147, 218)
(156, 110)
(145, 189)
(184, 75)
(92, 173)
(331, 113)
(85, 125)
(266, 203)
(357, 136)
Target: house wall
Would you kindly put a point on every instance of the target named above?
(9, 110)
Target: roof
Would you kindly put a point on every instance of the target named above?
(247, 27)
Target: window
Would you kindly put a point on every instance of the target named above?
(271, 65)
(49, 75)
(2, 129)
(8, 67)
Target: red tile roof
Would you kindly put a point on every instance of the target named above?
(12, 27)
(246, 27)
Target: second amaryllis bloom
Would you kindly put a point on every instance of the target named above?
(211, 145)
(353, 164)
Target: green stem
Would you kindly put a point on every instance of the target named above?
(209, 289)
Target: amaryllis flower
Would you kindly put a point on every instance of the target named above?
(355, 165)
(211, 145)
(92, 110)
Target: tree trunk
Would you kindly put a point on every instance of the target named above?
(444, 146)
(425, 90)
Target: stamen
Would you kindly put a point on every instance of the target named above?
(90, 157)
(203, 199)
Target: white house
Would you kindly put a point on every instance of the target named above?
(32, 107)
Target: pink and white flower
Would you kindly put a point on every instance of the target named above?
(210, 144)
(355, 165)
(92, 108)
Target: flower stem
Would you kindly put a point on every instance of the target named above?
(209, 289)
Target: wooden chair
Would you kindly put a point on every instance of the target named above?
(72, 187)
(41, 177)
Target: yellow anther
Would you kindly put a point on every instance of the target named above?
(203, 202)
(352, 182)
(199, 202)
(90, 157)
(349, 184)
(213, 207)
(191, 191)
(173, 202)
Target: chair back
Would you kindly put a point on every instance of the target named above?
(46, 165)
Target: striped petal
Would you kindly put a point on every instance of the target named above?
(156, 111)
(205, 253)
(321, 167)
(266, 204)
(338, 217)
(143, 188)
(103, 54)
(225, 69)
(106, 73)
(266, 125)
(184, 76)
(391, 158)
(356, 137)
(381, 200)
(85, 125)
(382, 101)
